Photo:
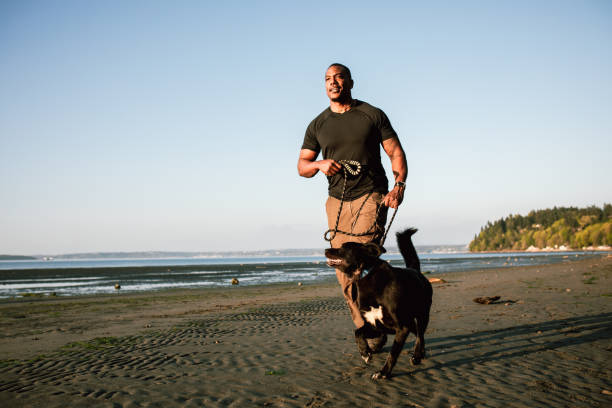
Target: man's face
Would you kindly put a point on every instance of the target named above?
(338, 85)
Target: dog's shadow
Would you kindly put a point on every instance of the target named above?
(511, 342)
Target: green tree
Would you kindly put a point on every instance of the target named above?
(577, 227)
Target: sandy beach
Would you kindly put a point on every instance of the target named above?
(546, 343)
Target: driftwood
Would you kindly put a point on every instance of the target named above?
(486, 300)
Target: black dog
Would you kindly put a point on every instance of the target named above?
(391, 300)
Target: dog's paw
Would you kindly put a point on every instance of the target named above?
(379, 376)
(415, 360)
(367, 358)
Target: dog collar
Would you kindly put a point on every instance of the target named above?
(366, 271)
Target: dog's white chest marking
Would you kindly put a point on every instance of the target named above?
(373, 315)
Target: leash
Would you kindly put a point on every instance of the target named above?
(353, 168)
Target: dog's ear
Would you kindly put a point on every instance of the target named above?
(374, 250)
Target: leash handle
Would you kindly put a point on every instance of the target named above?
(348, 166)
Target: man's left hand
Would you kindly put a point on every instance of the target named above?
(394, 198)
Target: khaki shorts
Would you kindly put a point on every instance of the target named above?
(355, 221)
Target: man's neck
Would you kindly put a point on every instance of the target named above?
(342, 106)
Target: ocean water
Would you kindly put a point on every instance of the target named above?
(99, 276)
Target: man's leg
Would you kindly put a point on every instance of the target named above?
(356, 221)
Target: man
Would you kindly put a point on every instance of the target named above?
(353, 130)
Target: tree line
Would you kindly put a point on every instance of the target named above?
(573, 227)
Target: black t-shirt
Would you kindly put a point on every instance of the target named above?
(353, 135)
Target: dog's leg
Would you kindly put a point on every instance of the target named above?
(419, 343)
(377, 343)
(362, 343)
(398, 344)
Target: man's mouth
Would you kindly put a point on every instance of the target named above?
(334, 90)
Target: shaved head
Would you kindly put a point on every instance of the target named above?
(343, 67)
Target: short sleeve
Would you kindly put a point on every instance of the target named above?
(384, 125)
(310, 139)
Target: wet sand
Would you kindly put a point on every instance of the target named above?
(546, 343)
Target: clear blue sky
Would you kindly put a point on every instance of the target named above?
(144, 125)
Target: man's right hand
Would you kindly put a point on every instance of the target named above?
(329, 167)
(308, 166)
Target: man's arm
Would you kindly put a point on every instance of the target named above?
(308, 166)
(394, 150)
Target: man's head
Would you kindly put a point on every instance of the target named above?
(338, 83)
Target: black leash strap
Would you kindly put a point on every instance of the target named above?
(353, 168)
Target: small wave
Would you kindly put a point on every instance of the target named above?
(44, 284)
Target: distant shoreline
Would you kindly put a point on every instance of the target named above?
(288, 252)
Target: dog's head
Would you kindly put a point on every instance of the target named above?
(354, 257)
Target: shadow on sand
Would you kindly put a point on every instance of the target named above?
(516, 341)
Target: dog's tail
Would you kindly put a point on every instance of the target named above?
(406, 248)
